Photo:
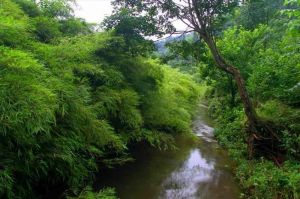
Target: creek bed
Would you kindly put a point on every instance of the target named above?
(195, 171)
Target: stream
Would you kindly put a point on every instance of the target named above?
(195, 171)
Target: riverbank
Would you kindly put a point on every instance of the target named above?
(259, 177)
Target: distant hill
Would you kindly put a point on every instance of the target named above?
(160, 45)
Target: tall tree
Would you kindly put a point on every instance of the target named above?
(202, 17)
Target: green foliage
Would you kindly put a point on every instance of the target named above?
(29, 7)
(256, 12)
(120, 107)
(46, 29)
(266, 51)
(157, 139)
(73, 26)
(88, 193)
(288, 118)
(133, 29)
(47, 127)
(184, 53)
(264, 180)
(267, 56)
(195, 13)
(72, 101)
(258, 178)
(56, 8)
(14, 25)
(171, 108)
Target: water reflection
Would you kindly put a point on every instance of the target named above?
(202, 129)
(193, 172)
(203, 175)
(184, 182)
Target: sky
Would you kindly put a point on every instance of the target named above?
(93, 11)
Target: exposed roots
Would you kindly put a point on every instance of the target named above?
(263, 141)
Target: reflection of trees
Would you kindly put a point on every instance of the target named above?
(190, 172)
(147, 173)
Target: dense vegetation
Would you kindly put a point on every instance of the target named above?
(268, 56)
(266, 50)
(73, 101)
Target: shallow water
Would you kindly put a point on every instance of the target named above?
(195, 171)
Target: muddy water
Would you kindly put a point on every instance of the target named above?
(195, 171)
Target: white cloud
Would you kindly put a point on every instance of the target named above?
(93, 11)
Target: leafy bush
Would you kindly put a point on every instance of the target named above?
(46, 29)
(258, 178)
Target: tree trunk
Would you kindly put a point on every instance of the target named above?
(232, 90)
(235, 72)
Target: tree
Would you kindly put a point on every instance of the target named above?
(255, 12)
(200, 16)
(56, 8)
(133, 29)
